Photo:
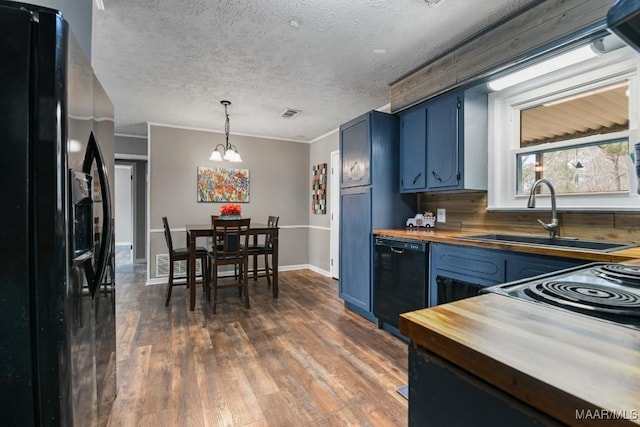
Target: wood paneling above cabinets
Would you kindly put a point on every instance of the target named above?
(431, 80)
(547, 25)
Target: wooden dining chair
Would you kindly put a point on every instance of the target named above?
(232, 237)
(218, 242)
(265, 248)
(213, 218)
(181, 254)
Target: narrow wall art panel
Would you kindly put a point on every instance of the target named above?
(319, 189)
(223, 185)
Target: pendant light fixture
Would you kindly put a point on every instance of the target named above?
(228, 151)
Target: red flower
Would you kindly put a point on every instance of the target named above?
(230, 209)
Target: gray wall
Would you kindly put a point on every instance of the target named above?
(279, 185)
(79, 15)
(126, 146)
(131, 145)
(139, 207)
(319, 230)
(136, 146)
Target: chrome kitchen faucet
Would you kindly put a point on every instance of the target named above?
(552, 227)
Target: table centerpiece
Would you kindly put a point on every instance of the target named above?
(230, 211)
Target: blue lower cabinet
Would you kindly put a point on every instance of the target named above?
(442, 394)
(526, 266)
(458, 272)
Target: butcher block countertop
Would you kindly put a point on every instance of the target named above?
(556, 361)
(458, 238)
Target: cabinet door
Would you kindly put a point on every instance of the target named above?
(526, 266)
(443, 142)
(438, 390)
(355, 152)
(477, 266)
(413, 149)
(469, 261)
(355, 247)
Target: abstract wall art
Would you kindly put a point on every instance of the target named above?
(319, 189)
(223, 185)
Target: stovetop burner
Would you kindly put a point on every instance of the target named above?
(604, 291)
(587, 296)
(626, 274)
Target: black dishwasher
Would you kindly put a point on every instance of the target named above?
(400, 278)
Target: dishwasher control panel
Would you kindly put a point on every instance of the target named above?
(410, 245)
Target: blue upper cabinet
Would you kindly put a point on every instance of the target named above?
(443, 144)
(355, 148)
(413, 150)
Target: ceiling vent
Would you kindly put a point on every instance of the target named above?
(290, 113)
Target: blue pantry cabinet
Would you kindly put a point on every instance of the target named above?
(369, 199)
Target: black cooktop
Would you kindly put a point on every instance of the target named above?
(605, 291)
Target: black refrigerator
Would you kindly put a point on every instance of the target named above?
(57, 284)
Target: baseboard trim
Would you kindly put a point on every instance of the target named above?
(180, 280)
(319, 270)
(163, 280)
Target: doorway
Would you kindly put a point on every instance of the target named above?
(124, 182)
(335, 214)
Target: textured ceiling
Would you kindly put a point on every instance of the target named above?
(172, 61)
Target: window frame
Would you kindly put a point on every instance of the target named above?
(504, 128)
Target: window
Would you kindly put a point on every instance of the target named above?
(592, 168)
(595, 167)
(573, 127)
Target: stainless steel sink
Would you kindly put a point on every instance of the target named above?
(553, 241)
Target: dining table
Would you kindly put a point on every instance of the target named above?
(206, 230)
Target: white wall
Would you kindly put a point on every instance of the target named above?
(123, 204)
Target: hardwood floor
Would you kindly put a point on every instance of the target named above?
(300, 360)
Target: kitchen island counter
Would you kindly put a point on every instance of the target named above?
(562, 364)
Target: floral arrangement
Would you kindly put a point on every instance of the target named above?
(230, 209)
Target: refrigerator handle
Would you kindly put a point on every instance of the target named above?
(104, 253)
